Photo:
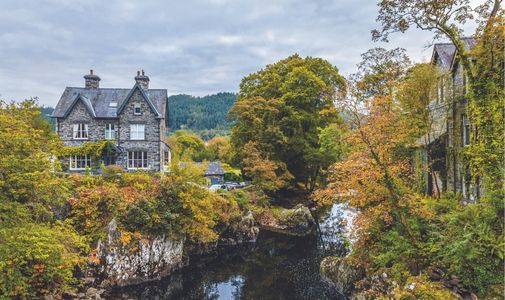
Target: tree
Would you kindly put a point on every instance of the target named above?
(268, 175)
(486, 106)
(186, 146)
(27, 146)
(483, 66)
(281, 109)
(200, 113)
(417, 97)
(443, 17)
(219, 148)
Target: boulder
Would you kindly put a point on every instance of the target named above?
(297, 221)
(139, 261)
(341, 273)
(242, 231)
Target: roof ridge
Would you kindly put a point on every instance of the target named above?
(127, 89)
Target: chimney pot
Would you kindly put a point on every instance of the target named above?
(91, 81)
(142, 79)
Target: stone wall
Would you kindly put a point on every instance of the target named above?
(154, 130)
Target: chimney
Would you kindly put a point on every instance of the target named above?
(91, 81)
(142, 80)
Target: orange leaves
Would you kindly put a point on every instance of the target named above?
(39, 268)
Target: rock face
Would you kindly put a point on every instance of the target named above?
(243, 231)
(144, 260)
(297, 221)
(340, 273)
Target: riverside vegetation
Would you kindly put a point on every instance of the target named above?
(290, 139)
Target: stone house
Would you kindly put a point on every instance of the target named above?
(443, 145)
(133, 119)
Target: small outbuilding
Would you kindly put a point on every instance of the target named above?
(215, 173)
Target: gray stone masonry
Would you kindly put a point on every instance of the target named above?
(154, 125)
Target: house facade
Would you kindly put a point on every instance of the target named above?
(444, 144)
(132, 119)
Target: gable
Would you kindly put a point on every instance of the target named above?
(80, 99)
(137, 93)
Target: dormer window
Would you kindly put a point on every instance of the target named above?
(80, 131)
(136, 109)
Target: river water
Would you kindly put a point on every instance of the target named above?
(277, 266)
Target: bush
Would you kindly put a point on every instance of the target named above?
(149, 216)
(37, 259)
(468, 240)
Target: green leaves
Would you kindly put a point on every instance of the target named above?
(281, 109)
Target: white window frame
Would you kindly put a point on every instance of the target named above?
(80, 131)
(137, 160)
(137, 132)
(135, 107)
(74, 160)
(110, 132)
(167, 158)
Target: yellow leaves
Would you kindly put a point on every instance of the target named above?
(125, 238)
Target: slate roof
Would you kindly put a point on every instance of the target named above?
(446, 52)
(214, 168)
(99, 99)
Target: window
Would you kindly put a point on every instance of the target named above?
(137, 131)
(112, 104)
(80, 131)
(136, 109)
(465, 85)
(137, 160)
(450, 126)
(465, 130)
(79, 162)
(110, 133)
(166, 158)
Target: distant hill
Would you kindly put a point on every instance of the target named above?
(200, 113)
(46, 111)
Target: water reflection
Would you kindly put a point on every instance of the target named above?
(275, 267)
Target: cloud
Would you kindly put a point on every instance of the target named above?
(194, 46)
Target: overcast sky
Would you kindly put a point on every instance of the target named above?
(196, 47)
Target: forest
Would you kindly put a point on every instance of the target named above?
(207, 114)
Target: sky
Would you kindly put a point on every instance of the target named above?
(195, 47)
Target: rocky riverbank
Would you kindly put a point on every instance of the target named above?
(297, 221)
(122, 264)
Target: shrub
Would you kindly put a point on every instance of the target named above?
(37, 259)
(468, 240)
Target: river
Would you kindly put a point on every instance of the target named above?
(277, 266)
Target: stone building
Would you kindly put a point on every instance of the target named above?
(443, 145)
(133, 119)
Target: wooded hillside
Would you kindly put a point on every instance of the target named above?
(200, 113)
